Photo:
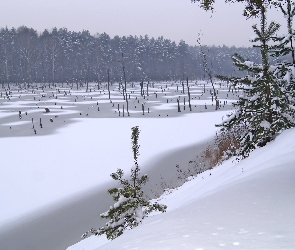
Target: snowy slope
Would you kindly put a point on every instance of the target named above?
(250, 205)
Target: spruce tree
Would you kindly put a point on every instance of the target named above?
(265, 107)
(131, 205)
(285, 47)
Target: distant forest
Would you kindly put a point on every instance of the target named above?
(60, 56)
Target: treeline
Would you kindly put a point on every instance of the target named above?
(61, 56)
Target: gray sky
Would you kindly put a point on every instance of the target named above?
(173, 19)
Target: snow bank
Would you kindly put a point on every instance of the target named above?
(249, 205)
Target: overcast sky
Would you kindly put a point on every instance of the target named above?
(172, 19)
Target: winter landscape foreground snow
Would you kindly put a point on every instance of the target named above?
(53, 184)
(249, 205)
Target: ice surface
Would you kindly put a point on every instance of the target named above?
(86, 153)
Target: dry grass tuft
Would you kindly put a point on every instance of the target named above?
(224, 148)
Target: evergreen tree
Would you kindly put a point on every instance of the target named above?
(265, 108)
(285, 48)
(6, 49)
(252, 7)
(131, 206)
(60, 56)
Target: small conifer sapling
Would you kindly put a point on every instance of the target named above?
(131, 205)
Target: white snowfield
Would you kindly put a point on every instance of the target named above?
(249, 205)
(53, 186)
(54, 178)
(37, 172)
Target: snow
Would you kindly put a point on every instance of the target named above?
(287, 77)
(120, 201)
(247, 205)
(15, 123)
(166, 106)
(249, 64)
(209, 101)
(234, 206)
(34, 169)
(265, 124)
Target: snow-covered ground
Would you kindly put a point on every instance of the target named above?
(53, 184)
(249, 205)
(86, 153)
